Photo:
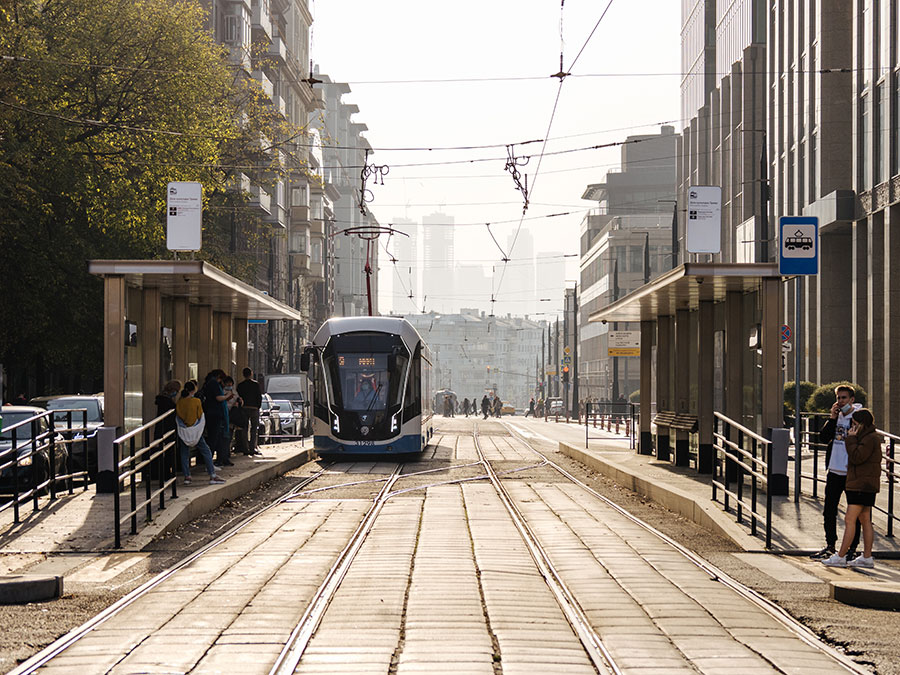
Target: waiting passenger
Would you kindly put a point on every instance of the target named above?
(190, 420)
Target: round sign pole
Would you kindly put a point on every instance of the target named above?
(797, 440)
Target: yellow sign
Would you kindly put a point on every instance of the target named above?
(624, 351)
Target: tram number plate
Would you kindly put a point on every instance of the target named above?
(365, 442)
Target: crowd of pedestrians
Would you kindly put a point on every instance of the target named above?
(211, 419)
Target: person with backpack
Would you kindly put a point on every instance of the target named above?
(190, 422)
(215, 407)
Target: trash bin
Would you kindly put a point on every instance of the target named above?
(781, 443)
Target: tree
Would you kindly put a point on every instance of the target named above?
(104, 103)
(806, 390)
(823, 397)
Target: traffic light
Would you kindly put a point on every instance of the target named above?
(565, 373)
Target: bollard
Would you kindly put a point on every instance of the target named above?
(617, 425)
(108, 474)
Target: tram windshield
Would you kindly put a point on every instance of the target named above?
(366, 379)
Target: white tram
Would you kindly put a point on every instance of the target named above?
(371, 378)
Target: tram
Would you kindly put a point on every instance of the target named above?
(371, 384)
(440, 398)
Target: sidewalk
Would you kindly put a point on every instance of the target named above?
(83, 523)
(796, 527)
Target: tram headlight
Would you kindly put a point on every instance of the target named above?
(395, 422)
(336, 424)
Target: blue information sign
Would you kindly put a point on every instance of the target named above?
(798, 239)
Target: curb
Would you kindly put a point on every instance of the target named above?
(677, 501)
(876, 595)
(18, 589)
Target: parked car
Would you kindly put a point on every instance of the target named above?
(93, 404)
(555, 406)
(269, 422)
(291, 418)
(34, 453)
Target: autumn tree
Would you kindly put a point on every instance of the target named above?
(102, 102)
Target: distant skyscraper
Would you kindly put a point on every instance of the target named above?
(517, 295)
(437, 262)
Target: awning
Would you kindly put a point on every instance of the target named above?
(684, 287)
(200, 282)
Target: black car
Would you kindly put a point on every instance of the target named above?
(33, 453)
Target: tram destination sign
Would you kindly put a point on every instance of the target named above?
(798, 239)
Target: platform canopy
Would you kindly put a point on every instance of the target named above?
(200, 283)
(684, 288)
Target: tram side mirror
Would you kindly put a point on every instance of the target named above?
(304, 360)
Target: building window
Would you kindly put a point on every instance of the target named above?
(233, 29)
(878, 153)
(863, 140)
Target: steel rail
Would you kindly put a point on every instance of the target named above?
(57, 647)
(575, 615)
(292, 652)
(715, 574)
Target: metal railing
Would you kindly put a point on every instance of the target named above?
(613, 416)
(29, 466)
(134, 466)
(811, 426)
(733, 462)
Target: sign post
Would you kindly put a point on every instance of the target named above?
(798, 238)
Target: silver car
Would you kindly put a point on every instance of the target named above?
(291, 419)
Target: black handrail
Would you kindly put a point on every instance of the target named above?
(733, 462)
(136, 466)
(47, 441)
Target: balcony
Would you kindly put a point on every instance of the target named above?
(262, 22)
(300, 215)
(278, 50)
(280, 105)
(277, 217)
(316, 271)
(265, 84)
(317, 226)
(299, 264)
(260, 199)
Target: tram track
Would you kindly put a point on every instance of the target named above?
(575, 615)
(508, 502)
(715, 574)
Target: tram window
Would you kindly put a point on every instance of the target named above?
(414, 388)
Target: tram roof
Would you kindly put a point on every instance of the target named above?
(684, 287)
(200, 282)
(379, 324)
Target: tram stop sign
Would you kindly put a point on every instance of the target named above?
(798, 238)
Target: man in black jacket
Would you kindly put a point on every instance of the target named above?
(833, 433)
(251, 394)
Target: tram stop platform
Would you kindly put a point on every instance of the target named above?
(48, 544)
(797, 529)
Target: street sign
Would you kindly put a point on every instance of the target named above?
(704, 219)
(786, 346)
(567, 350)
(624, 343)
(798, 238)
(566, 360)
(184, 219)
(785, 332)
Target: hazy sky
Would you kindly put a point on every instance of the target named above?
(624, 82)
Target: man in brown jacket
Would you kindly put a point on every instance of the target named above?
(863, 483)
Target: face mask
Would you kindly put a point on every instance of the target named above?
(228, 388)
(847, 408)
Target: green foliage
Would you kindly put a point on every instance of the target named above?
(790, 389)
(823, 397)
(109, 101)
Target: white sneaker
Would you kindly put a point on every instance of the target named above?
(862, 561)
(835, 561)
(216, 480)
